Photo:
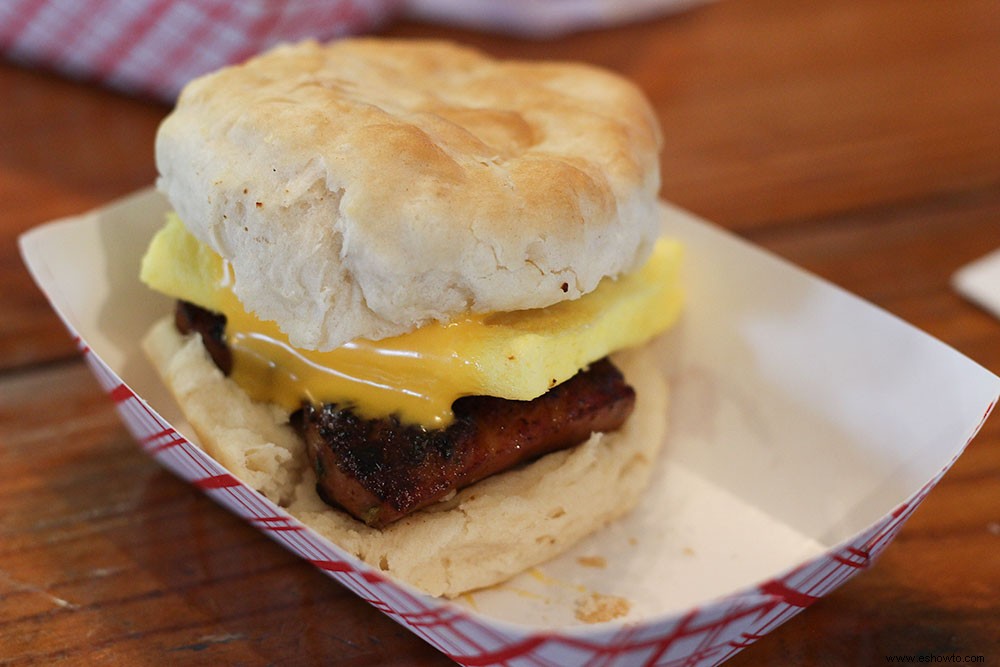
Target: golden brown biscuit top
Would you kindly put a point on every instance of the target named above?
(367, 186)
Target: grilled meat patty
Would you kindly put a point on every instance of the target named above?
(380, 470)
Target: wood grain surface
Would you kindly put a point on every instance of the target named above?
(857, 138)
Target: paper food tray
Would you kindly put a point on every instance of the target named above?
(805, 427)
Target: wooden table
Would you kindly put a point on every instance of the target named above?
(859, 139)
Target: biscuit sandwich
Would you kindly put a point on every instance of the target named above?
(413, 288)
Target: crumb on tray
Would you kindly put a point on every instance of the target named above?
(599, 608)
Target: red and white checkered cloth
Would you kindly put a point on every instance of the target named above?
(153, 47)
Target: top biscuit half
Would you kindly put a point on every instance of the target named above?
(366, 187)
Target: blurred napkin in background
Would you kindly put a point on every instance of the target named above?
(979, 282)
(153, 47)
(540, 18)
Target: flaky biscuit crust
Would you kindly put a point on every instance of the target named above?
(368, 186)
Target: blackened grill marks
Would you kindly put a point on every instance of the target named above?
(380, 470)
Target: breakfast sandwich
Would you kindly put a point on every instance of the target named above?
(414, 286)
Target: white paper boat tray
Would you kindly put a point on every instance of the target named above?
(805, 427)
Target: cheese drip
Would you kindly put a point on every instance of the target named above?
(417, 376)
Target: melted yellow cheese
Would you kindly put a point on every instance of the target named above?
(417, 376)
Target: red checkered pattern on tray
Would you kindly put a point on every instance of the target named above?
(154, 47)
(704, 636)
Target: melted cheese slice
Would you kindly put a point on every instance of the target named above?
(417, 376)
